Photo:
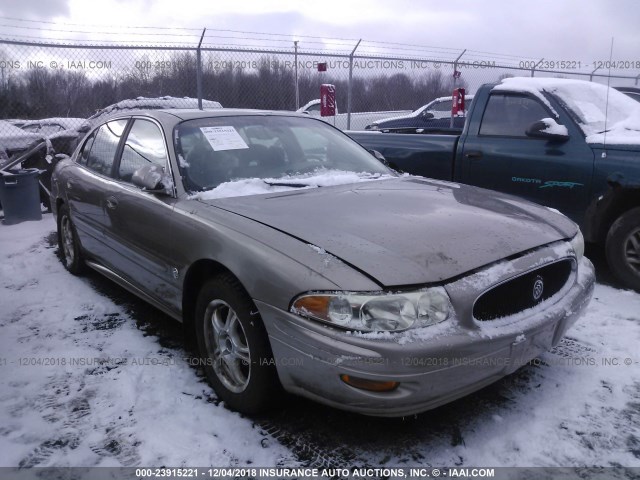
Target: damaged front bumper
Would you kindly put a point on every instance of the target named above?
(432, 365)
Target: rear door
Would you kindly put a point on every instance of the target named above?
(497, 154)
(86, 185)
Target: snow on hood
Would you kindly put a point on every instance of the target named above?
(596, 107)
(257, 186)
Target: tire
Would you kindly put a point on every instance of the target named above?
(234, 347)
(623, 249)
(70, 251)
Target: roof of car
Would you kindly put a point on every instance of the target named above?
(194, 113)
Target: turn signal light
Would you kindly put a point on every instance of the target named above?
(371, 385)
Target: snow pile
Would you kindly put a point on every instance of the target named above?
(257, 186)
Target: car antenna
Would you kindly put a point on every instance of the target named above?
(606, 107)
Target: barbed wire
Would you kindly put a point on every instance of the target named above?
(388, 46)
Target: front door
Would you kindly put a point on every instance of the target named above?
(137, 221)
(500, 156)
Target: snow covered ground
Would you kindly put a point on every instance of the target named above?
(91, 376)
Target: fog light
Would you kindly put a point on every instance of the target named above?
(371, 385)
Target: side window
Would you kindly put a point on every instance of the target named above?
(511, 115)
(314, 109)
(84, 154)
(144, 145)
(104, 147)
(50, 128)
(444, 106)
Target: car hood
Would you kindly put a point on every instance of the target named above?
(406, 231)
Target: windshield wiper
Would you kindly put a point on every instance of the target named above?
(288, 184)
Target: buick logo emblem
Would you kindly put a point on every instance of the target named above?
(538, 288)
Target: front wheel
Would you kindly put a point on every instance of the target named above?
(234, 347)
(623, 248)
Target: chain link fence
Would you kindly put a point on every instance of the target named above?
(63, 81)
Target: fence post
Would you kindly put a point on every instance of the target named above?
(637, 80)
(349, 87)
(295, 46)
(533, 70)
(591, 74)
(455, 80)
(199, 70)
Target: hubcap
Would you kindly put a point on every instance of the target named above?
(632, 250)
(67, 240)
(227, 346)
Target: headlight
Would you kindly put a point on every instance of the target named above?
(386, 312)
(577, 243)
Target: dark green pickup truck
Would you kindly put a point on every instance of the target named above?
(567, 144)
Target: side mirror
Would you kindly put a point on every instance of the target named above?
(428, 115)
(548, 129)
(149, 179)
(379, 156)
(84, 128)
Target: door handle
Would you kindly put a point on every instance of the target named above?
(474, 154)
(112, 203)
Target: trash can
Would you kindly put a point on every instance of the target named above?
(20, 195)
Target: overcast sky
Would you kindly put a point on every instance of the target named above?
(553, 30)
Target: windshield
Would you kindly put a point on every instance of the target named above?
(275, 151)
(588, 103)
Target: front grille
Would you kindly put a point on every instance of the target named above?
(523, 292)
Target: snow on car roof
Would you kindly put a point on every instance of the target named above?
(145, 103)
(596, 107)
